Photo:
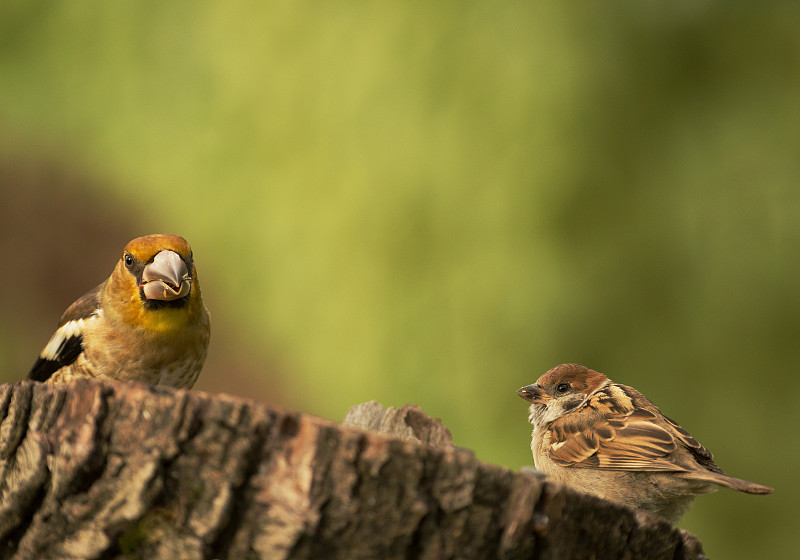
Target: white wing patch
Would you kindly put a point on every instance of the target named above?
(66, 331)
(70, 329)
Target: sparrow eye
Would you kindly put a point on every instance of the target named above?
(128, 258)
(562, 388)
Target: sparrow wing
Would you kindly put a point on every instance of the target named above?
(615, 429)
(66, 343)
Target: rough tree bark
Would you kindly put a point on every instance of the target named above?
(104, 470)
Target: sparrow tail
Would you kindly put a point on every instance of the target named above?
(737, 484)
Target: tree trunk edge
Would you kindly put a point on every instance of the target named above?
(95, 469)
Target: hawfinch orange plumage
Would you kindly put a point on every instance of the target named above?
(146, 322)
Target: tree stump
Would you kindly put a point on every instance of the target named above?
(105, 470)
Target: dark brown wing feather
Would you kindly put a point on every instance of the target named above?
(702, 455)
(83, 307)
(66, 343)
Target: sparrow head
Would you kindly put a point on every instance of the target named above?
(158, 276)
(561, 390)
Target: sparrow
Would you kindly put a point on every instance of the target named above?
(146, 322)
(608, 439)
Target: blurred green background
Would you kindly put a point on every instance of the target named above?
(435, 203)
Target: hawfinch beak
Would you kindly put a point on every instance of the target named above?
(166, 278)
(532, 393)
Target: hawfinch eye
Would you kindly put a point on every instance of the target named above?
(562, 388)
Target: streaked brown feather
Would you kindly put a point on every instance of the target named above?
(616, 430)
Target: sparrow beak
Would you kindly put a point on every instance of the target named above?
(166, 278)
(532, 393)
